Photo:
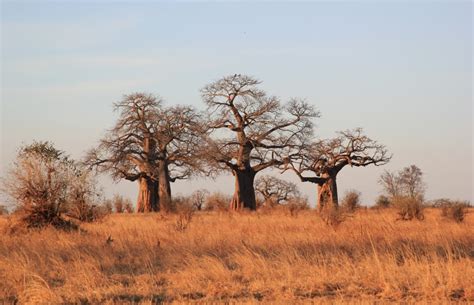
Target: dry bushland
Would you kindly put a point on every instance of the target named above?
(242, 257)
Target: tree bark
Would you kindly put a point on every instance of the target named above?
(327, 193)
(147, 195)
(244, 194)
(164, 187)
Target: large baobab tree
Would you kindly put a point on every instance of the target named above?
(274, 190)
(149, 144)
(326, 158)
(251, 131)
(178, 138)
(128, 151)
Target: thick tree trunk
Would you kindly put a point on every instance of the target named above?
(327, 194)
(244, 194)
(147, 195)
(164, 188)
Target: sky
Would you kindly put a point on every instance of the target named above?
(401, 70)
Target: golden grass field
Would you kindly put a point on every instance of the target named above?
(242, 258)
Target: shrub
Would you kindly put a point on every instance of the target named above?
(383, 202)
(218, 202)
(39, 182)
(454, 210)
(296, 205)
(185, 214)
(83, 201)
(351, 201)
(198, 198)
(182, 203)
(409, 208)
(121, 204)
(45, 183)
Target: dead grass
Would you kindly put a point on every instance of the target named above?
(242, 258)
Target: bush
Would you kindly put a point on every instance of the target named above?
(185, 215)
(454, 210)
(351, 201)
(83, 201)
(182, 203)
(383, 202)
(409, 208)
(332, 216)
(296, 205)
(198, 198)
(218, 202)
(121, 204)
(45, 183)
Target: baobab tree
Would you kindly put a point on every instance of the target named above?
(150, 144)
(251, 131)
(178, 139)
(128, 151)
(274, 190)
(326, 158)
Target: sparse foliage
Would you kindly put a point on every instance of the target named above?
(250, 131)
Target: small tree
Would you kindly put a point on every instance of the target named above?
(250, 131)
(406, 183)
(275, 191)
(391, 184)
(411, 181)
(198, 198)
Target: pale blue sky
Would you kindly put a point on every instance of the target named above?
(400, 70)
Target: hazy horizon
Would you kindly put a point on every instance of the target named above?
(402, 71)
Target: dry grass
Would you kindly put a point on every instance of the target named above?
(245, 257)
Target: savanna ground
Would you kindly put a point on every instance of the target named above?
(242, 258)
